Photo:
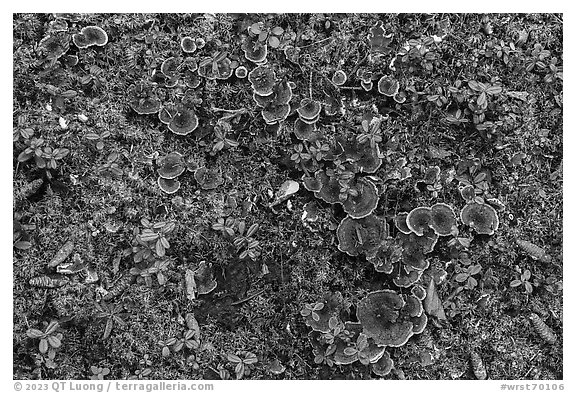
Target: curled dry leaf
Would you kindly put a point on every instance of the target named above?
(432, 303)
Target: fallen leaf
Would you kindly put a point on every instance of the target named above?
(190, 284)
(432, 303)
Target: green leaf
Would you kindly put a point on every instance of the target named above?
(233, 358)
(515, 283)
(52, 326)
(34, 333)
(43, 346)
(54, 341)
(22, 245)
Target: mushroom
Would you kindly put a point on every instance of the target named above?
(275, 113)
(361, 236)
(183, 122)
(309, 109)
(400, 97)
(311, 183)
(367, 85)
(171, 166)
(304, 131)
(254, 50)
(481, 217)
(339, 78)
(388, 86)
(142, 100)
(241, 72)
(263, 80)
(383, 366)
(54, 46)
(400, 223)
(89, 36)
(170, 66)
(418, 220)
(167, 113)
(379, 41)
(318, 315)
(365, 202)
(330, 190)
(188, 45)
(169, 186)
(443, 220)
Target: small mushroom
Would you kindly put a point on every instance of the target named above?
(273, 114)
(263, 80)
(254, 50)
(339, 78)
(171, 166)
(443, 220)
(367, 85)
(142, 100)
(388, 86)
(170, 66)
(167, 113)
(54, 46)
(400, 223)
(362, 236)
(188, 45)
(184, 122)
(365, 202)
(89, 36)
(241, 72)
(383, 366)
(304, 131)
(481, 217)
(169, 186)
(311, 183)
(309, 109)
(419, 219)
(379, 41)
(330, 190)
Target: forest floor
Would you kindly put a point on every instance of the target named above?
(114, 276)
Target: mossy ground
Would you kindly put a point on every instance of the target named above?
(79, 203)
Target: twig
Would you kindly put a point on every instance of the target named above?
(257, 293)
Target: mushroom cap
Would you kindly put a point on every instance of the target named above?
(204, 278)
(145, 106)
(169, 186)
(191, 80)
(361, 236)
(333, 304)
(311, 183)
(330, 190)
(58, 25)
(171, 166)
(443, 220)
(275, 113)
(432, 174)
(379, 41)
(53, 46)
(304, 131)
(366, 158)
(481, 217)
(367, 85)
(90, 35)
(208, 179)
(310, 121)
(400, 97)
(212, 69)
(263, 80)
(167, 113)
(381, 314)
(383, 366)
(170, 66)
(405, 276)
(339, 78)
(425, 243)
(419, 219)
(468, 193)
(388, 86)
(332, 106)
(365, 202)
(188, 45)
(309, 109)
(184, 122)
(241, 72)
(254, 50)
(400, 223)
(282, 92)
(69, 16)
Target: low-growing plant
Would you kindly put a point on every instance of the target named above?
(242, 361)
(50, 341)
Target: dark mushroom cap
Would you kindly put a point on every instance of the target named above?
(404, 276)
(90, 35)
(171, 166)
(188, 45)
(366, 158)
(468, 193)
(362, 236)
(254, 50)
(309, 109)
(367, 85)
(432, 175)
(54, 45)
(241, 72)
(339, 78)
(330, 191)
(382, 318)
(400, 223)
(167, 113)
(143, 100)
(204, 278)
(481, 217)
(191, 80)
(275, 113)
(379, 41)
(170, 66)
(263, 80)
(311, 183)
(208, 179)
(169, 186)
(443, 220)
(383, 366)
(388, 86)
(365, 202)
(58, 25)
(304, 131)
(418, 220)
(184, 122)
(400, 97)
